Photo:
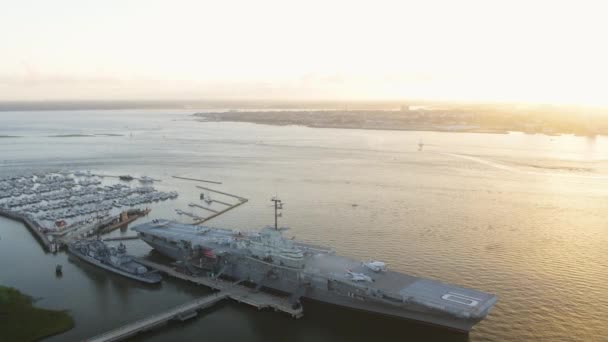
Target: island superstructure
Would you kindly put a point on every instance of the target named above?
(269, 260)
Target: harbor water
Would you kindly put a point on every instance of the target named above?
(519, 215)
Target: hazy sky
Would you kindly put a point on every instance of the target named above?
(537, 51)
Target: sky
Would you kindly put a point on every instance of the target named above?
(532, 51)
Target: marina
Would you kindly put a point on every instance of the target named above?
(228, 206)
(60, 206)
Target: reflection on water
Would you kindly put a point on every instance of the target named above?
(518, 215)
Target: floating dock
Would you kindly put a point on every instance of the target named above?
(200, 206)
(241, 201)
(257, 299)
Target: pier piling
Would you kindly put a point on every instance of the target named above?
(227, 289)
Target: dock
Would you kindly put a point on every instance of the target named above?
(181, 313)
(242, 294)
(229, 206)
(113, 176)
(197, 180)
(125, 219)
(222, 193)
(31, 225)
(200, 206)
(122, 238)
(226, 289)
(103, 227)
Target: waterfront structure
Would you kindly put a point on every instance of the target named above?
(269, 260)
(113, 259)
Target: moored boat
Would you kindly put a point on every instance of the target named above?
(271, 261)
(113, 259)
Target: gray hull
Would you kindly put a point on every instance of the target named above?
(97, 263)
(288, 281)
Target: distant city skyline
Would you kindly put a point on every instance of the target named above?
(513, 51)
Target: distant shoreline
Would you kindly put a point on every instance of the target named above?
(85, 135)
(374, 120)
(411, 129)
(192, 104)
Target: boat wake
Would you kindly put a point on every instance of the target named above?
(519, 170)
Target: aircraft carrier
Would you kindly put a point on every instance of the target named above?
(271, 261)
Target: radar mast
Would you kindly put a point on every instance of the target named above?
(278, 205)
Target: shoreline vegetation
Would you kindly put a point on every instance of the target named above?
(68, 136)
(429, 118)
(21, 321)
(85, 135)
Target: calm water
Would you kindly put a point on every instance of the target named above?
(521, 216)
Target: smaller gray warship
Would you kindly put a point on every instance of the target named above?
(114, 259)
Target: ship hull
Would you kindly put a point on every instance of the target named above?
(97, 263)
(164, 249)
(397, 312)
(288, 281)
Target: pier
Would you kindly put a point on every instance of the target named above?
(222, 193)
(103, 227)
(31, 225)
(181, 313)
(229, 206)
(119, 177)
(197, 180)
(200, 206)
(241, 294)
(122, 238)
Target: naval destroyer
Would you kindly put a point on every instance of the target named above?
(269, 260)
(112, 259)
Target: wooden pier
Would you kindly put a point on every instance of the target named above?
(259, 300)
(181, 313)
